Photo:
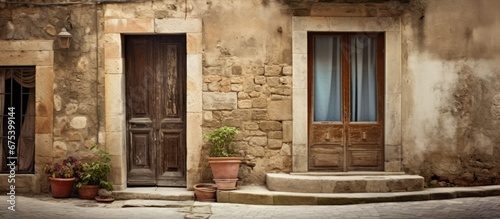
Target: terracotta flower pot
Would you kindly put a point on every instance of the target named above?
(225, 171)
(61, 187)
(225, 167)
(205, 192)
(88, 191)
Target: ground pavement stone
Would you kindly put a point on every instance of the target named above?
(46, 207)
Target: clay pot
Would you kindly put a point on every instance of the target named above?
(226, 184)
(61, 187)
(88, 191)
(205, 192)
(225, 171)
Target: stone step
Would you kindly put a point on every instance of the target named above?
(151, 193)
(157, 203)
(324, 183)
(262, 196)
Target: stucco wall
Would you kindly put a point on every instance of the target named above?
(451, 91)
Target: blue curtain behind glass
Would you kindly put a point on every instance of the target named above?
(327, 79)
(363, 79)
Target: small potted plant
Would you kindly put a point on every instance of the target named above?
(222, 159)
(62, 175)
(94, 175)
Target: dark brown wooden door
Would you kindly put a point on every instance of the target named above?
(156, 109)
(346, 101)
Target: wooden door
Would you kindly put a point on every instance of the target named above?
(346, 101)
(156, 109)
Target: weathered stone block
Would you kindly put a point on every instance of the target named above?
(250, 126)
(236, 87)
(286, 80)
(272, 70)
(242, 114)
(275, 134)
(287, 70)
(259, 141)
(245, 104)
(259, 114)
(112, 50)
(60, 149)
(43, 125)
(219, 101)
(243, 95)
(280, 110)
(286, 149)
(257, 133)
(274, 144)
(78, 122)
(113, 65)
(257, 151)
(273, 81)
(260, 79)
(236, 79)
(43, 144)
(259, 103)
(287, 131)
(282, 90)
(194, 43)
(254, 94)
(248, 85)
(21, 57)
(270, 126)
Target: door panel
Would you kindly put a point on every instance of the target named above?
(327, 157)
(155, 76)
(346, 100)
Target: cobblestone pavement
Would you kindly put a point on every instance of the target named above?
(47, 207)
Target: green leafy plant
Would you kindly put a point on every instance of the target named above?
(221, 141)
(96, 173)
(68, 168)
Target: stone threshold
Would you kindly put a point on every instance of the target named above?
(351, 173)
(260, 195)
(151, 193)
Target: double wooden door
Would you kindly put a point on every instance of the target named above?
(155, 68)
(346, 101)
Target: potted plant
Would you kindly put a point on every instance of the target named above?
(94, 175)
(222, 161)
(62, 176)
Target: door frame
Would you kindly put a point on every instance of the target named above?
(114, 89)
(392, 114)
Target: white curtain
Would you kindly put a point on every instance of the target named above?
(363, 79)
(327, 79)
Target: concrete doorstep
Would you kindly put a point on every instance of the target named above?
(262, 196)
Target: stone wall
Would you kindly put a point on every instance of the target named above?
(247, 81)
(76, 91)
(451, 86)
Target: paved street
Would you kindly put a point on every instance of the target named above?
(46, 207)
